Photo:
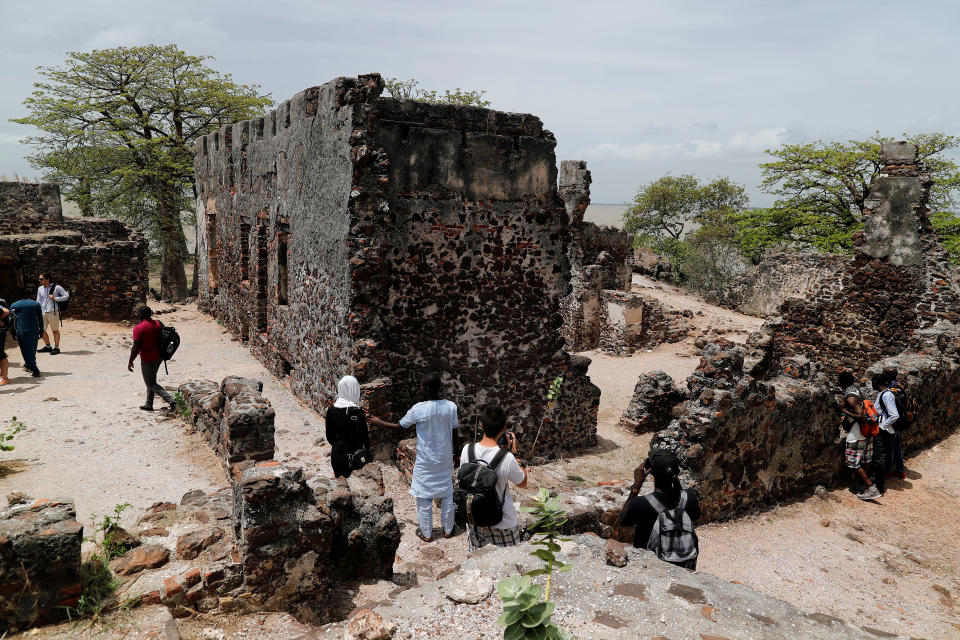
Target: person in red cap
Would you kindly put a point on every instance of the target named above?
(663, 518)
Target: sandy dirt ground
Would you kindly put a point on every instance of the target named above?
(891, 563)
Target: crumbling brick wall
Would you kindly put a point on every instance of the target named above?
(39, 563)
(762, 421)
(102, 263)
(349, 233)
(763, 288)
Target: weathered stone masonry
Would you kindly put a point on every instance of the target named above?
(349, 233)
(102, 263)
(762, 424)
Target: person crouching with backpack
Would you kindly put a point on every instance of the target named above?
(483, 493)
(664, 518)
(146, 344)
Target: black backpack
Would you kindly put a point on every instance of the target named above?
(169, 343)
(906, 408)
(477, 497)
(64, 305)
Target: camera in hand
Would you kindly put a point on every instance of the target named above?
(503, 440)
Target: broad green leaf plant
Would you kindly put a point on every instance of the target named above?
(16, 426)
(526, 606)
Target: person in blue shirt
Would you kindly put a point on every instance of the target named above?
(435, 420)
(29, 328)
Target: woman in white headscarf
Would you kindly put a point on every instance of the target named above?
(347, 430)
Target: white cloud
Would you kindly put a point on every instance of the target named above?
(740, 143)
(125, 35)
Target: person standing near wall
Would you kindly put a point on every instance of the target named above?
(435, 421)
(29, 327)
(858, 450)
(4, 362)
(883, 447)
(347, 431)
(49, 296)
(146, 344)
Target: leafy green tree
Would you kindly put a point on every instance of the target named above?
(821, 188)
(411, 90)
(671, 205)
(118, 129)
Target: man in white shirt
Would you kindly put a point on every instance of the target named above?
(505, 533)
(883, 448)
(48, 295)
(435, 421)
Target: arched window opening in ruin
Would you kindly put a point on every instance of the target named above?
(213, 267)
(245, 252)
(282, 273)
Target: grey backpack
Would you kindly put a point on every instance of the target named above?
(672, 537)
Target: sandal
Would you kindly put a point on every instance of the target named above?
(4, 381)
(423, 537)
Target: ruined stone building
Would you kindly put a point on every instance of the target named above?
(350, 233)
(602, 311)
(102, 263)
(761, 424)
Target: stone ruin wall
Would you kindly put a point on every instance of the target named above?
(601, 311)
(102, 263)
(761, 424)
(349, 233)
(763, 288)
(277, 539)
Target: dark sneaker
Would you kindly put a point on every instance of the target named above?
(871, 493)
(35, 373)
(146, 407)
(55, 351)
(46, 349)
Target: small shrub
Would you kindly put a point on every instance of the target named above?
(182, 407)
(16, 426)
(525, 614)
(99, 583)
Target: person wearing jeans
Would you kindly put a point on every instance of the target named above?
(146, 344)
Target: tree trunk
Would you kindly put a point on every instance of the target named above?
(173, 250)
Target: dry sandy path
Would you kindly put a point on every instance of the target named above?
(87, 440)
(892, 564)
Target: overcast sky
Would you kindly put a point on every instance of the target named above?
(638, 88)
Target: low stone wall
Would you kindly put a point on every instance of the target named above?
(654, 399)
(39, 563)
(763, 288)
(234, 418)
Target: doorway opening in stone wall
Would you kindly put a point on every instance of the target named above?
(10, 281)
(213, 268)
(260, 290)
(244, 251)
(282, 272)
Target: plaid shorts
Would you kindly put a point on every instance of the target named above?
(482, 536)
(859, 453)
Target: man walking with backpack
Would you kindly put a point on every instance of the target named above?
(884, 447)
(146, 344)
(49, 297)
(484, 497)
(663, 519)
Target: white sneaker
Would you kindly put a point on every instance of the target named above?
(871, 493)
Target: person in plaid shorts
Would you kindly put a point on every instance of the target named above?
(505, 533)
(858, 452)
